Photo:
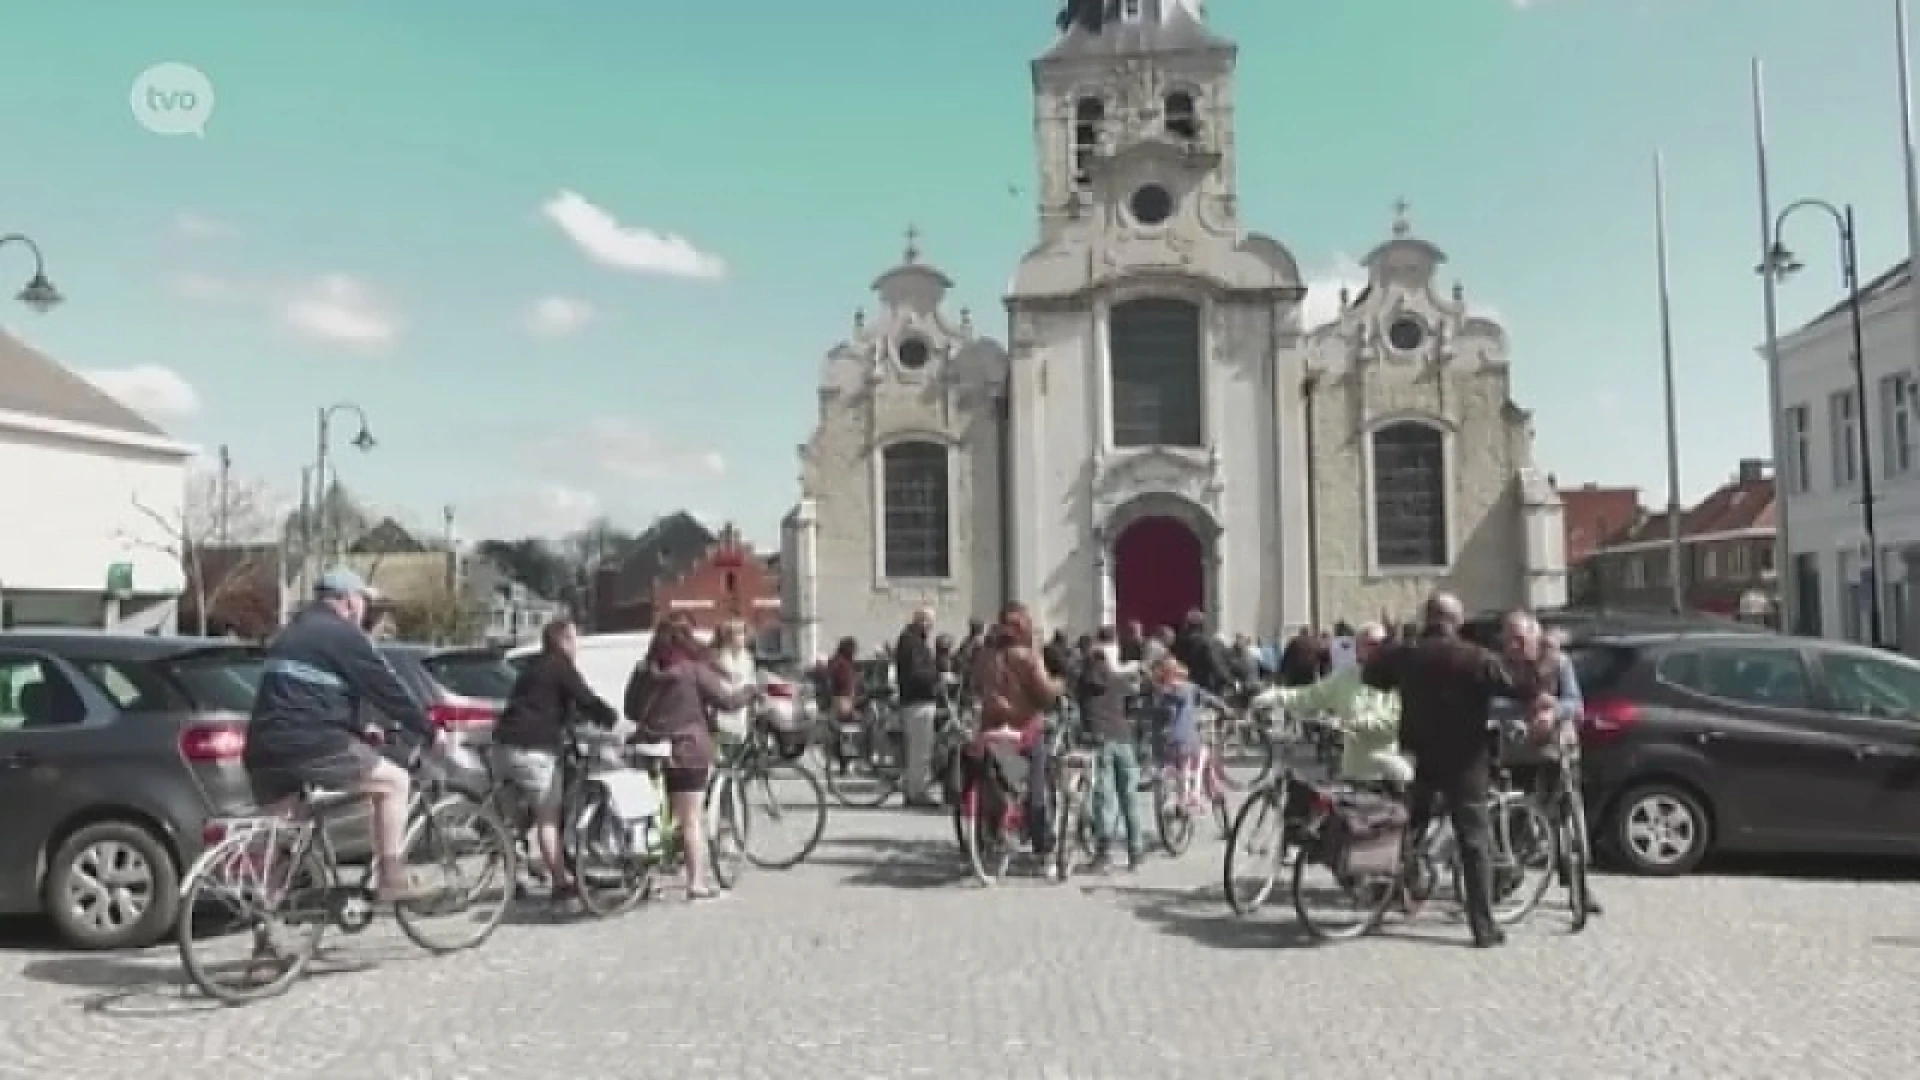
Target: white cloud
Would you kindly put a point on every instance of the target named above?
(622, 450)
(601, 237)
(1322, 304)
(198, 227)
(149, 389)
(558, 316)
(206, 288)
(341, 309)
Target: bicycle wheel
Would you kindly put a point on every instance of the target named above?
(862, 769)
(989, 849)
(1257, 849)
(794, 806)
(1333, 908)
(1523, 854)
(727, 827)
(612, 868)
(473, 854)
(1171, 816)
(277, 910)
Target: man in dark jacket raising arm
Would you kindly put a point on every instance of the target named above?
(307, 730)
(1446, 684)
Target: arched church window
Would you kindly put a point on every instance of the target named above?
(1154, 345)
(1409, 495)
(915, 510)
(1182, 115)
(1089, 113)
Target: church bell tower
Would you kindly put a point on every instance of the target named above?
(1133, 79)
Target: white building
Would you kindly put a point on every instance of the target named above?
(1820, 426)
(93, 494)
(1163, 435)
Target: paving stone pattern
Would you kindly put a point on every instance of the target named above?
(876, 961)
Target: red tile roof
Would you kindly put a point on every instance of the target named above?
(1746, 502)
(1591, 515)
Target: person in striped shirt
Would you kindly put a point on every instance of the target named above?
(1370, 718)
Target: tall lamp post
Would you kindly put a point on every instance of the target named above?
(38, 293)
(1781, 264)
(362, 441)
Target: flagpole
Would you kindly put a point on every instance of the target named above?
(1904, 53)
(1676, 563)
(1786, 478)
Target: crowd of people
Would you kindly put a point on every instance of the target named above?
(1420, 698)
(1425, 694)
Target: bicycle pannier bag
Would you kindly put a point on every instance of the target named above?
(631, 793)
(1367, 831)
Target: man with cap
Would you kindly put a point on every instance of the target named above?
(1446, 684)
(306, 728)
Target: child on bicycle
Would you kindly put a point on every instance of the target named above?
(1177, 704)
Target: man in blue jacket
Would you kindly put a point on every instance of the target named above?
(307, 729)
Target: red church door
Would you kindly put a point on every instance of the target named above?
(1159, 572)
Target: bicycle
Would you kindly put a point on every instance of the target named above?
(753, 765)
(990, 826)
(1175, 801)
(1566, 813)
(1516, 829)
(283, 877)
(865, 754)
(620, 830)
(1267, 826)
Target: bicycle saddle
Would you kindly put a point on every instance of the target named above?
(661, 750)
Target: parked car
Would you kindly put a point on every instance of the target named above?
(464, 689)
(1581, 623)
(606, 662)
(1700, 743)
(114, 753)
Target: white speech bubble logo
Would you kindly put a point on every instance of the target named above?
(172, 99)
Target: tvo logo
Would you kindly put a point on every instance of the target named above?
(172, 99)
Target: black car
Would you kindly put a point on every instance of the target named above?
(114, 752)
(1578, 624)
(1696, 743)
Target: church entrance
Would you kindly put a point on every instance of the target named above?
(1159, 572)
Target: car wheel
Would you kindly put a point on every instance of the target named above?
(112, 885)
(1660, 829)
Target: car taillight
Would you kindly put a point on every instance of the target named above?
(780, 689)
(207, 744)
(457, 716)
(1607, 718)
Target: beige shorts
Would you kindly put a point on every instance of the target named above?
(533, 775)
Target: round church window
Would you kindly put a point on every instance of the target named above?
(1151, 204)
(1407, 333)
(913, 353)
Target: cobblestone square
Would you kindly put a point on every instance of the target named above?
(877, 960)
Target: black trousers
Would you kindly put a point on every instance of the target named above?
(1464, 793)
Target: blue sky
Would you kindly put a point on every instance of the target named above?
(586, 257)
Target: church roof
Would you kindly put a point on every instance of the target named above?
(1174, 29)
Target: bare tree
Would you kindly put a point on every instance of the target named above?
(220, 515)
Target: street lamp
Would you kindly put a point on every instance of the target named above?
(38, 293)
(1780, 264)
(362, 441)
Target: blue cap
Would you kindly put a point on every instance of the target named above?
(340, 581)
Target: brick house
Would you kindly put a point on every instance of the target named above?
(1591, 514)
(1726, 553)
(680, 565)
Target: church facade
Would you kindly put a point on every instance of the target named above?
(1161, 433)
